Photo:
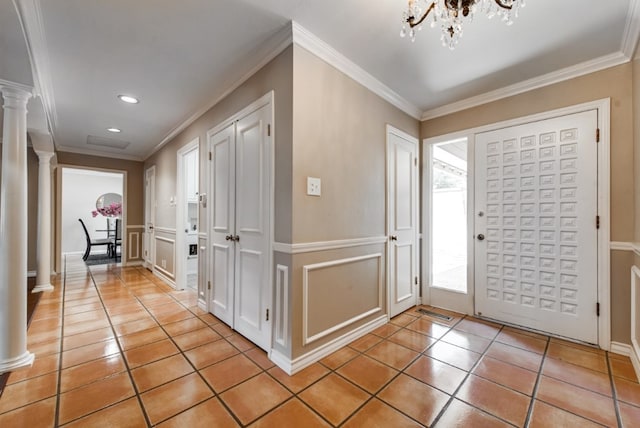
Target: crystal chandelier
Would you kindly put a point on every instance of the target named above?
(450, 14)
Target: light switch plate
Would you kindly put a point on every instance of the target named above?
(313, 186)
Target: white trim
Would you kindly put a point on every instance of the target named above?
(171, 277)
(568, 73)
(133, 264)
(621, 246)
(134, 226)
(631, 30)
(281, 312)
(169, 230)
(181, 249)
(15, 85)
(264, 100)
(31, 21)
(305, 39)
(265, 54)
(32, 273)
(98, 153)
(131, 245)
(306, 339)
(291, 367)
(635, 313)
(310, 247)
(160, 273)
(620, 349)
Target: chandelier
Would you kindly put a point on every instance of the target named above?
(450, 14)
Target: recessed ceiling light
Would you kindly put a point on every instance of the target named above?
(114, 130)
(128, 99)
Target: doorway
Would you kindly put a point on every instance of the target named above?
(240, 224)
(148, 240)
(187, 183)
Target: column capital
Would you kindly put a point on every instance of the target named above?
(44, 157)
(14, 96)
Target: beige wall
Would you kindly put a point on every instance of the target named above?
(636, 138)
(134, 196)
(339, 135)
(614, 83)
(276, 76)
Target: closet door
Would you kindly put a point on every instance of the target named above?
(223, 194)
(252, 225)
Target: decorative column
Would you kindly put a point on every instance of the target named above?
(13, 232)
(43, 259)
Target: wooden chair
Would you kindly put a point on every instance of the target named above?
(93, 243)
(116, 240)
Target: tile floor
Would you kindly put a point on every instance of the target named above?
(115, 347)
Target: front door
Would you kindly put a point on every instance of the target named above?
(241, 171)
(535, 225)
(402, 215)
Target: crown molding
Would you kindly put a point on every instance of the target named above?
(568, 73)
(263, 55)
(303, 38)
(631, 30)
(16, 85)
(82, 151)
(30, 16)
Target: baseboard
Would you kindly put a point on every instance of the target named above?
(31, 274)
(291, 367)
(165, 278)
(132, 264)
(635, 360)
(202, 305)
(620, 349)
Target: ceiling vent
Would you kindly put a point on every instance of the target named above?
(111, 143)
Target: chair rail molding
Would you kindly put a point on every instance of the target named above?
(310, 247)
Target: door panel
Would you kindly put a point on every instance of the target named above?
(536, 204)
(402, 182)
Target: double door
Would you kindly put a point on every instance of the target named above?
(240, 171)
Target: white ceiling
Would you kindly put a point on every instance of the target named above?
(179, 57)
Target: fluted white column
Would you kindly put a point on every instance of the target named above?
(43, 259)
(13, 232)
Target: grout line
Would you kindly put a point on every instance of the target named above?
(534, 393)
(614, 394)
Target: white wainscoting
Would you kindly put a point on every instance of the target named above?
(311, 247)
(203, 274)
(282, 305)
(134, 245)
(308, 284)
(635, 314)
(161, 271)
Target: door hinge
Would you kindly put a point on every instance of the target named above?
(210, 156)
(269, 130)
(416, 280)
(598, 135)
(267, 314)
(209, 285)
(598, 309)
(597, 222)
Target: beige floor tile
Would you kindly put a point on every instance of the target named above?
(577, 375)
(412, 340)
(467, 341)
(94, 396)
(210, 353)
(367, 373)
(259, 357)
(28, 391)
(378, 414)
(545, 416)
(293, 413)
(300, 380)
(41, 365)
(507, 375)
(39, 414)
(402, 394)
(428, 327)
(255, 397)
(580, 357)
(161, 371)
(478, 327)
(146, 354)
(623, 369)
(576, 400)
(208, 414)
(88, 338)
(516, 356)
(196, 338)
(172, 398)
(436, 373)
(495, 399)
(340, 357)
(392, 354)
(334, 398)
(454, 355)
(126, 414)
(627, 391)
(630, 415)
(230, 372)
(461, 415)
(92, 371)
(141, 338)
(184, 326)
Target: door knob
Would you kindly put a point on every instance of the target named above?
(236, 238)
(481, 237)
(393, 238)
(229, 238)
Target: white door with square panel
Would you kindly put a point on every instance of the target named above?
(536, 259)
(240, 225)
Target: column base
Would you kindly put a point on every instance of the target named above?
(42, 287)
(23, 360)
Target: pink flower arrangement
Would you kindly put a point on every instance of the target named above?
(113, 210)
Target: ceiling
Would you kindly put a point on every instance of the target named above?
(179, 57)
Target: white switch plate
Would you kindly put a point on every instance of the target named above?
(314, 186)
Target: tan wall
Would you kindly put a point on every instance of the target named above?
(134, 196)
(32, 205)
(636, 154)
(276, 76)
(614, 83)
(339, 135)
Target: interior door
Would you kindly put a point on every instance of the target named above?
(222, 148)
(535, 225)
(149, 217)
(252, 246)
(402, 215)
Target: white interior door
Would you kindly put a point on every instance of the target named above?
(240, 226)
(402, 215)
(149, 217)
(222, 147)
(187, 215)
(536, 238)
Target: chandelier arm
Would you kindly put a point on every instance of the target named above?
(502, 5)
(412, 19)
